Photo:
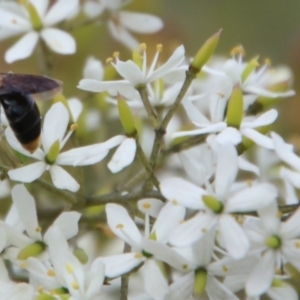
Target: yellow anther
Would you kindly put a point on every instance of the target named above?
(146, 205)
(120, 226)
(204, 229)
(138, 255)
(51, 273)
(75, 285)
(143, 46)
(23, 265)
(40, 289)
(159, 47)
(238, 50)
(225, 269)
(109, 60)
(38, 229)
(116, 54)
(297, 244)
(268, 62)
(184, 267)
(69, 268)
(73, 127)
(249, 183)
(174, 202)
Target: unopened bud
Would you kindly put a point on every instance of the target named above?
(31, 250)
(235, 108)
(53, 153)
(126, 117)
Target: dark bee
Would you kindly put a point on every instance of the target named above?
(18, 93)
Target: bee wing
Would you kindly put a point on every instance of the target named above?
(43, 87)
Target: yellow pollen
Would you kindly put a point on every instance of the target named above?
(278, 272)
(143, 46)
(40, 289)
(38, 229)
(138, 255)
(225, 269)
(159, 47)
(69, 268)
(73, 127)
(249, 182)
(297, 244)
(116, 54)
(268, 62)
(204, 229)
(75, 285)
(23, 265)
(238, 50)
(109, 60)
(51, 273)
(146, 205)
(120, 226)
(279, 214)
(181, 222)
(184, 267)
(174, 202)
(240, 219)
(220, 95)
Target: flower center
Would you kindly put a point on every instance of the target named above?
(273, 242)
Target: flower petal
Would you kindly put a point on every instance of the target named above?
(23, 48)
(75, 106)
(28, 173)
(62, 179)
(96, 86)
(184, 192)
(27, 210)
(59, 41)
(93, 68)
(59, 11)
(124, 156)
(130, 71)
(150, 206)
(235, 239)
(41, 7)
(53, 131)
(139, 22)
(261, 277)
(258, 138)
(122, 225)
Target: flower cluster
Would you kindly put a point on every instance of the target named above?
(204, 205)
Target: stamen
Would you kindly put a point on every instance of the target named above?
(143, 46)
(159, 47)
(238, 50)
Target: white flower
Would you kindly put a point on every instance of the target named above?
(277, 243)
(134, 75)
(53, 135)
(216, 204)
(15, 19)
(122, 22)
(26, 208)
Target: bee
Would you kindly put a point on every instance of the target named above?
(18, 93)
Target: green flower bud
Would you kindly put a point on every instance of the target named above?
(34, 16)
(235, 108)
(137, 58)
(205, 52)
(93, 211)
(81, 255)
(213, 204)
(273, 242)
(31, 250)
(53, 153)
(126, 117)
(200, 281)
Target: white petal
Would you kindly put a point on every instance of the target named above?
(75, 106)
(226, 172)
(59, 11)
(192, 230)
(195, 115)
(155, 283)
(93, 9)
(265, 119)
(22, 291)
(23, 48)
(184, 192)
(181, 288)
(150, 206)
(41, 7)
(122, 35)
(218, 291)
(96, 86)
(139, 22)
(291, 252)
(171, 64)
(235, 239)
(88, 155)
(59, 41)
(67, 222)
(291, 228)
(169, 217)
(124, 156)
(211, 128)
(62, 179)
(27, 210)
(261, 277)
(284, 151)
(130, 71)
(53, 131)
(14, 19)
(282, 292)
(28, 173)
(229, 135)
(122, 225)
(245, 165)
(95, 279)
(117, 265)
(93, 68)
(258, 138)
(252, 198)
